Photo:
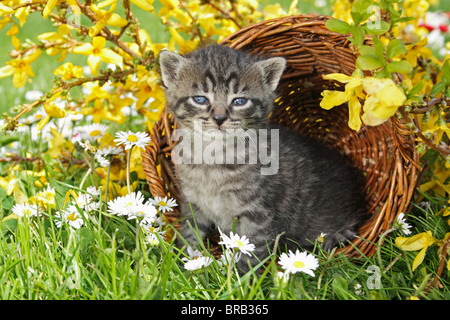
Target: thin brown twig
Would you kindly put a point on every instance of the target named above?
(107, 32)
(416, 130)
(226, 14)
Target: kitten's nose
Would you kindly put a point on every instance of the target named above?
(219, 118)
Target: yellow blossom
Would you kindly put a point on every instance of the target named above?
(146, 5)
(144, 38)
(68, 71)
(184, 45)
(274, 11)
(420, 242)
(352, 93)
(104, 18)
(147, 87)
(438, 182)
(14, 39)
(44, 199)
(434, 125)
(418, 49)
(48, 8)
(59, 146)
(20, 69)
(56, 39)
(171, 8)
(4, 10)
(97, 52)
(415, 8)
(52, 111)
(384, 98)
(8, 183)
(106, 105)
(22, 14)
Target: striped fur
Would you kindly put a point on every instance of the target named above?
(314, 190)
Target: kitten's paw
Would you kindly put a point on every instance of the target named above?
(342, 237)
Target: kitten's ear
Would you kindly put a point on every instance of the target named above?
(170, 63)
(272, 70)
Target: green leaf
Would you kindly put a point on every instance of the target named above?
(395, 48)
(376, 27)
(340, 287)
(367, 51)
(378, 49)
(403, 19)
(338, 26)
(368, 62)
(438, 88)
(9, 225)
(359, 11)
(445, 73)
(399, 66)
(416, 89)
(5, 140)
(359, 35)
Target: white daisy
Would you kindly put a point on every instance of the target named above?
(198, 263)
(163, 204)
(152, 239)
(92, 131)
(299, 262)
(142, 211)
(86, 202)
(228, 257)
(130, 139)
(24, 210)
(71, 216)
(281, 278)
(109, 151)
(101, 160)
(93, 191)
(196, 260)
(123, 205)
(401, 224)
(321, 237)
(234, 241)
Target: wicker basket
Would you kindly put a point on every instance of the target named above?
(385, 154)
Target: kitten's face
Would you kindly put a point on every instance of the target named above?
(219, 88)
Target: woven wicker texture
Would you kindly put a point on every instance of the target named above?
(385, 154)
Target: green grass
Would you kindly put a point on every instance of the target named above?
(98, 261)
(40, 261)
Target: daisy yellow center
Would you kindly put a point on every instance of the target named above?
(132, 138)
(49, 195)
(238, 243)
(72, 217)
(95, 133)
(26, 212)
(129, 204)
(299, 264)
(162, 203)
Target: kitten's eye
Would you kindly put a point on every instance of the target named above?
(200, 99)
(239, 101)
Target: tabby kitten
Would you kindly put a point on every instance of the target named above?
(220, 97)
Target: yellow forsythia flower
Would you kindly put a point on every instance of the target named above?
(20, 69)
(384, 98)
(420, 242)
(68, 71)
(97, 52)
(352, 93)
